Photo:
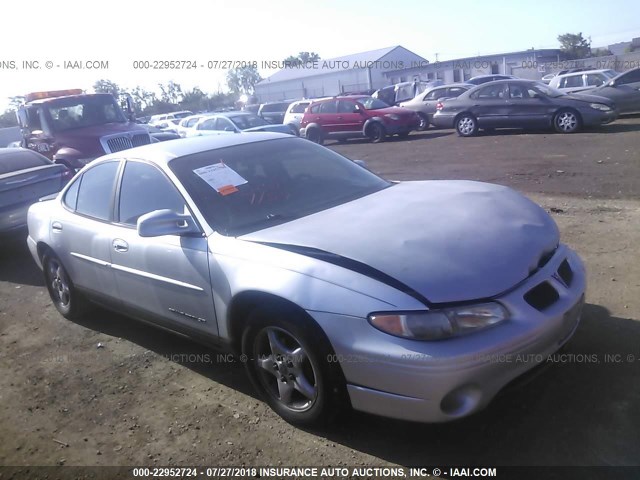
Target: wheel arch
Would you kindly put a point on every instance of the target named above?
(245, 302)
(465, 112)
(42, 248)
(371, 121)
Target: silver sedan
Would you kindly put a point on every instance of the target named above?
(413, 300)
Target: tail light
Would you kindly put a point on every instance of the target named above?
(439, 106)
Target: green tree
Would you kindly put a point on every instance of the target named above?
(142, 99)
(194, 100)
(575, 45)
(171, 92)
(303, 57)
(243, 80)
(8, 119)
(107, 86)
(15, 102)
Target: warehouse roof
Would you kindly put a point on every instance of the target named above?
(331, 65)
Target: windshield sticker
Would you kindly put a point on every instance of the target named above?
(220, 177)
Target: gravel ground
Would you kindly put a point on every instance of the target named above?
(109, 391)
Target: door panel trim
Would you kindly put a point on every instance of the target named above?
(91, 259)
(140, 273)
(153, 276)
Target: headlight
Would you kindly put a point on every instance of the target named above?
(439, 324)
(600, 106)
(392, 116)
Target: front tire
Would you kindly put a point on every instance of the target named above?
(567, 121)
(289, 363)
(466, 125)
(376, 133)
(67, 300)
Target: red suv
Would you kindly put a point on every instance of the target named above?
(356, 116)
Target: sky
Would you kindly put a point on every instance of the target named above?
(118, 33)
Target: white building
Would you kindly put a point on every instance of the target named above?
(352, 73)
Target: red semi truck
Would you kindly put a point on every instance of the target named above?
(73, 128)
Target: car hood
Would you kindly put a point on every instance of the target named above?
(270, 128)
(590, 98)
(448, 241)
(97, 131)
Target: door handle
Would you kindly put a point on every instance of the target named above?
(339, 118)
(56, 226)
(120, 245)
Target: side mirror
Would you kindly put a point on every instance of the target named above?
(612, 83)
(166, 222)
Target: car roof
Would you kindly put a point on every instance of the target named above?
(9, 151)
(447, 85)
(492, 75)
(162, 153)
(583, 72)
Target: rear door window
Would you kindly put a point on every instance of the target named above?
(328, 107)
(96, 190)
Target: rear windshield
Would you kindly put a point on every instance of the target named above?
(275, 107)
(300, 107)
(21, 160)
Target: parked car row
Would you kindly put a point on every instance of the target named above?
(584, 98)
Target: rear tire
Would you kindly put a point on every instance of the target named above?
(466, 125)
(65, 297)
(289, 364)
(315, 135)
(567, 121)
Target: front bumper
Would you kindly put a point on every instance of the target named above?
(595, 117)
(444, 380)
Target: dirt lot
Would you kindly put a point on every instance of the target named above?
(145, 397)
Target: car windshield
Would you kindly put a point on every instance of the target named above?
(371, 103)
(247, 121)
(247, 187)
(548, 91)
(85, 111)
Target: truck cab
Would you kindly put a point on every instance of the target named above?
(73, 128)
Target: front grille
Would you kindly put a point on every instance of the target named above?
(140, 139)
(541, 296)
(119, 143)
(565, 273)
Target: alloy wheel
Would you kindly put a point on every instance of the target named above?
(285, 369)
